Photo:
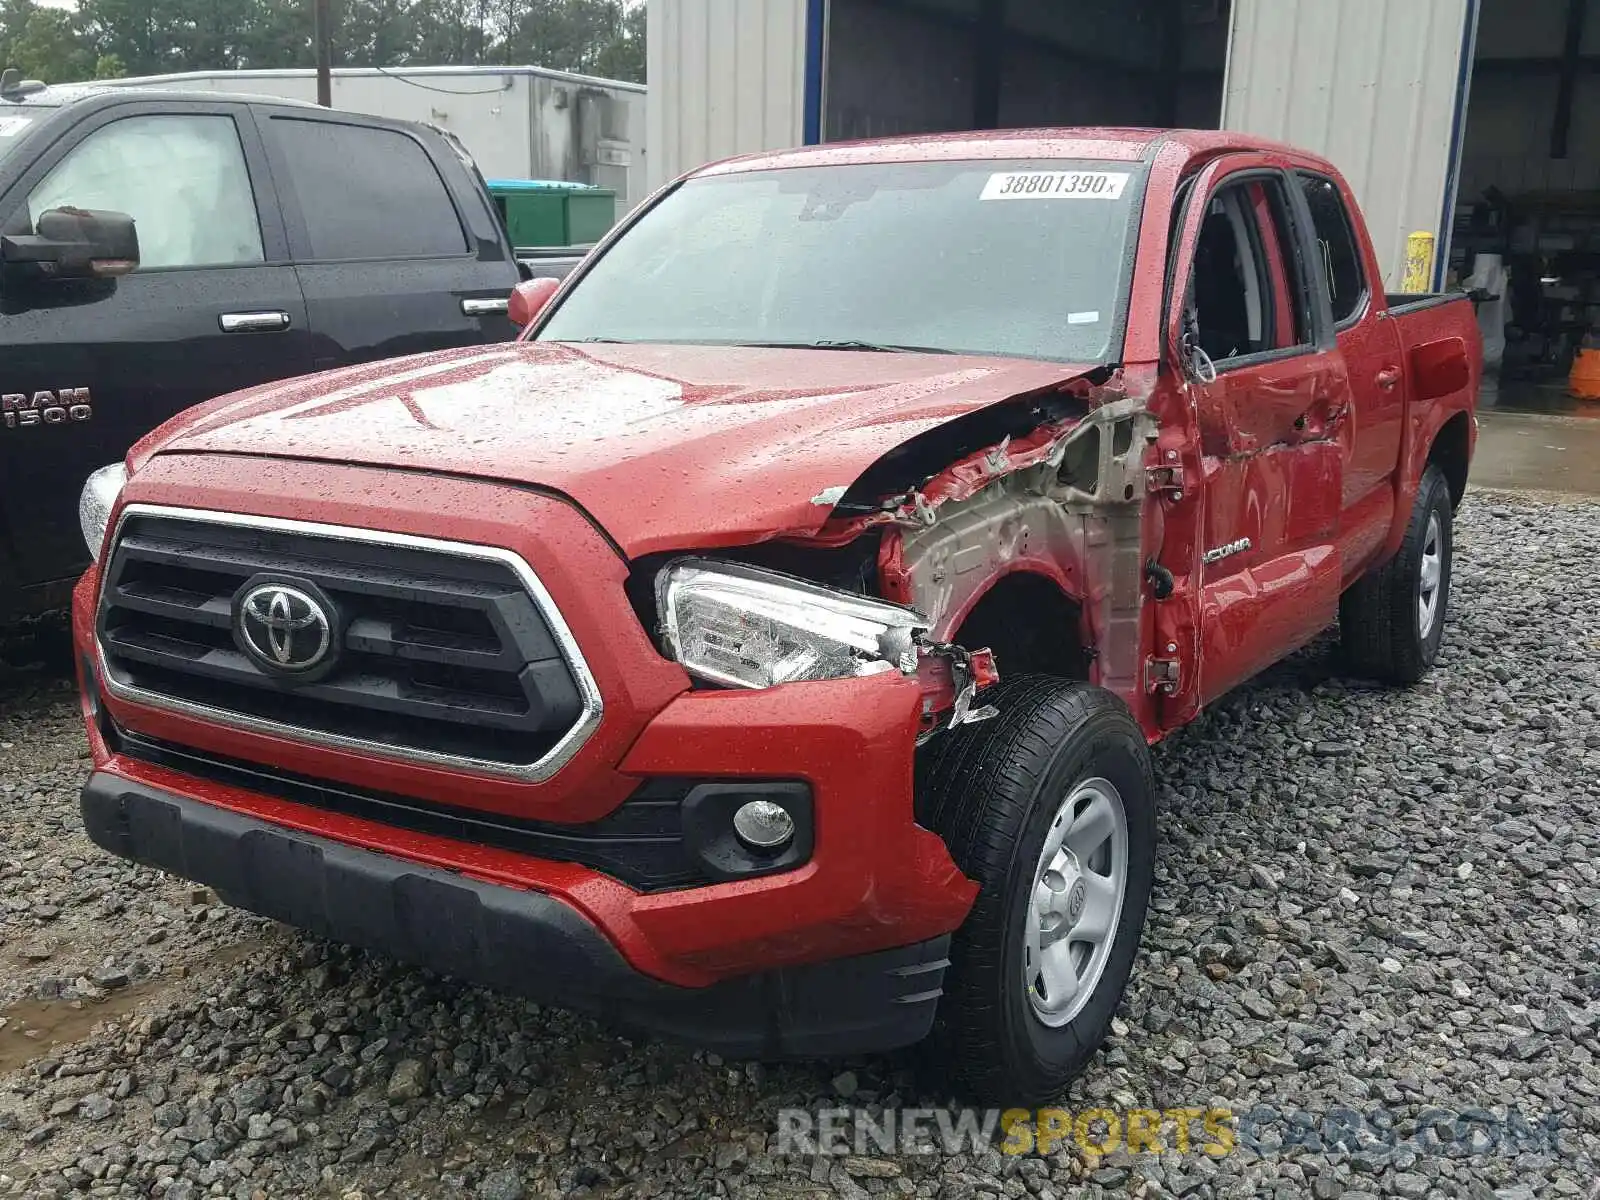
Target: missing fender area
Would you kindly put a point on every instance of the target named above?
(1029, 544)
(1059, 504)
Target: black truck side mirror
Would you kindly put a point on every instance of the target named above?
(75, 243)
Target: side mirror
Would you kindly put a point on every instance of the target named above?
(76, 243)
(1439, 368)
(528, 299)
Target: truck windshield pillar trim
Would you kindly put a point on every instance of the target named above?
(590, 705)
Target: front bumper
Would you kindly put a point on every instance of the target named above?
(519, 941)
(876, 880)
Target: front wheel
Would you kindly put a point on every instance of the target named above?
(1050, 808)
(1391, 622)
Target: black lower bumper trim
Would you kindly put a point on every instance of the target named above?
(517, 941)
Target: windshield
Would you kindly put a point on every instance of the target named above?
(1005, 258)
(14, 122)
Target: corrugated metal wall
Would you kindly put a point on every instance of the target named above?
(726, 77)
(1369, 84)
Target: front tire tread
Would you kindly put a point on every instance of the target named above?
(980, 788)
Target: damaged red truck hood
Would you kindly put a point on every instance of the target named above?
(665, 446)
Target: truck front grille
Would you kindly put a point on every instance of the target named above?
(438, 651)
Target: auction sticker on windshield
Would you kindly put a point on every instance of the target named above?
(11, 126)
(1055, 185)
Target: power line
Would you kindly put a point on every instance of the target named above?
(430, 88)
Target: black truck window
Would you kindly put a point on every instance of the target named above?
(366, 192)
(181, 178)
(1341, 263)
(1231, 292)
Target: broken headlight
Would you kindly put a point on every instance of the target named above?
(747, 627)
(95, 503)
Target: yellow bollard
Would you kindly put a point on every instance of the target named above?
(1419, 263)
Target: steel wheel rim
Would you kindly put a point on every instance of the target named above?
(1430, 576)
(1075, 904)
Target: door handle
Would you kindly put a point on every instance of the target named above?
(1388, 377)
(482, 308)
(254, 322)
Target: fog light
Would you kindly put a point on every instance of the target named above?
(763, 825)
(749, 828)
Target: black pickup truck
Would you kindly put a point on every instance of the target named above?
(158, 249)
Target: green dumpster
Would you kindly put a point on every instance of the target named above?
(540, 212)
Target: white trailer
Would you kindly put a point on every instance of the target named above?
(517, 122)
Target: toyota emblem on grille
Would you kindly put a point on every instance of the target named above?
(285, 628)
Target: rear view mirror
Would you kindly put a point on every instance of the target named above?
(76, 243)
(1439, 368)
(529, 298)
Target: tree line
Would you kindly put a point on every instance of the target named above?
(103, 39)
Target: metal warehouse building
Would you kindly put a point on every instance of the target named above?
(1474, 121)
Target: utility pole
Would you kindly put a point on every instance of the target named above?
(324, 55)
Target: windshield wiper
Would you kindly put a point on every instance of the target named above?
(849, 344)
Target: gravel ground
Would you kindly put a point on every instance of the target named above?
(1365, 898)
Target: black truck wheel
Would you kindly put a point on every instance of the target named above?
(1391, 621)
(1049, 807)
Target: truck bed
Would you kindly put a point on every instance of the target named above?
(549, 262)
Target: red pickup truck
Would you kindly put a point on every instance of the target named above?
(766, 647)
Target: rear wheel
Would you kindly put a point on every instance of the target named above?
(1391, 622)
(1050, 808)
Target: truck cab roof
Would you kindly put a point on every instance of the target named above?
(31, 118)
(1084, 142)
(75, 94)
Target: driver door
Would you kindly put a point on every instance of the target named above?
(214, 307)
(1265, 383)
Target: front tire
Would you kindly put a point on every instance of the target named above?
(1391, 622)
(1049, 807)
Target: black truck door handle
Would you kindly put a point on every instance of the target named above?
(254, 322)
(481, 308)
